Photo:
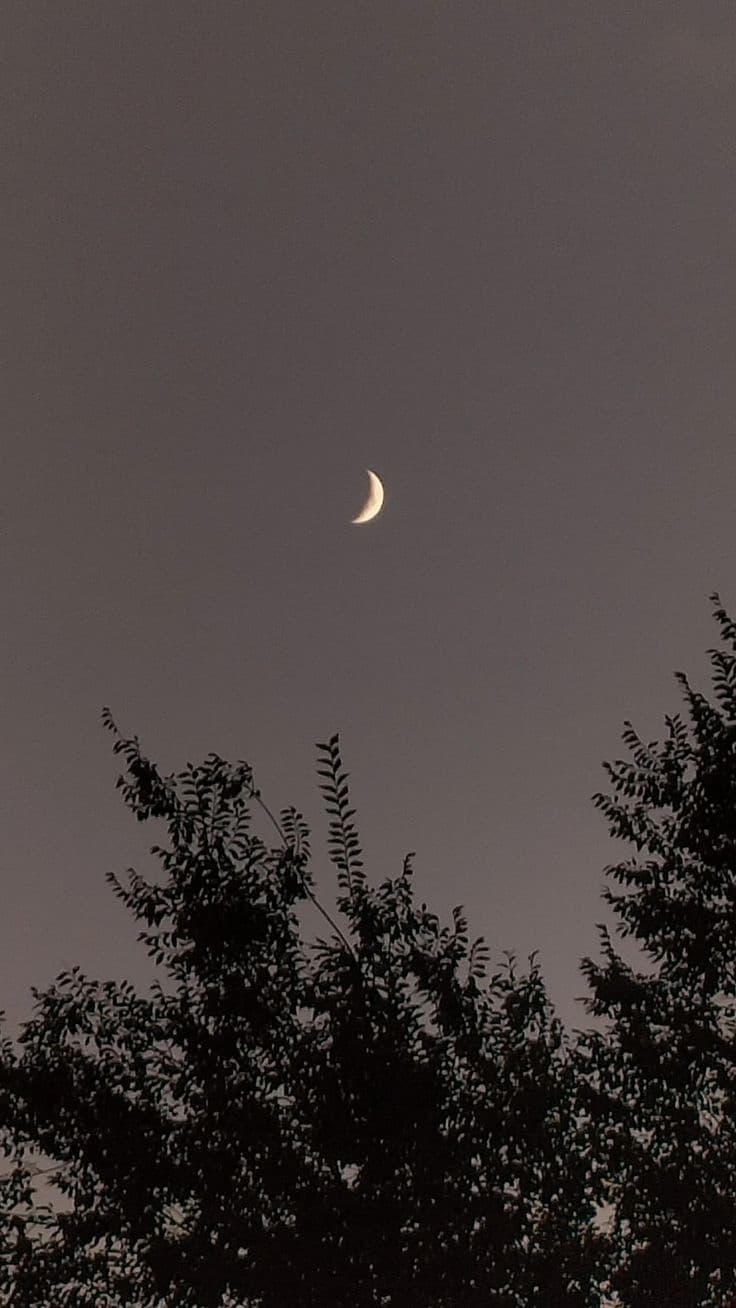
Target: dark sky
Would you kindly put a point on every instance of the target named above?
(250, 249)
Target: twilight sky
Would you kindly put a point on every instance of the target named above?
(250, 249)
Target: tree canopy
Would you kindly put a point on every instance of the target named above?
(365, 1119)
(380, 1116)
(667, 1063)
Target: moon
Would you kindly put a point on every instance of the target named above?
(374, 502)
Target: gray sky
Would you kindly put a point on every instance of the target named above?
(249, 250)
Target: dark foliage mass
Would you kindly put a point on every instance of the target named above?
(378, 1117)
(667, 1062)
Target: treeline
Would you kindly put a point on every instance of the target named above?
(382, 1116)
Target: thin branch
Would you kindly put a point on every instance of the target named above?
(256, 795)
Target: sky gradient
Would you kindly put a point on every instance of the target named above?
(250, 250)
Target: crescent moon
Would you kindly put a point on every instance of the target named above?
(374, 503)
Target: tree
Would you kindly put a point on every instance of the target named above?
(662, 1075)
(368, 1119)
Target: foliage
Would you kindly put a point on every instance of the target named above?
(374, 1118)
(662, 1075)
(369, 1119)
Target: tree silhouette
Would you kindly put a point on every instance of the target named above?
(367, 1119)
(371, 1118)
(661, 1076)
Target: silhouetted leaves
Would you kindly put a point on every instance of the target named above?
(665, 1069)
(374, 1119)
(361, 1121)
